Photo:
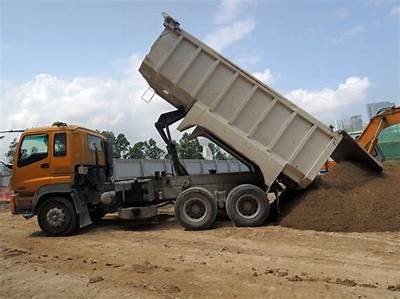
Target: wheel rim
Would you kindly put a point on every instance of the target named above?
(195, 209)
(55, 217)
(247, 206)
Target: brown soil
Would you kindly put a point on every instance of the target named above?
(350, 198)
(159, 259)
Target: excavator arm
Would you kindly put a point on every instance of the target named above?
(369, 137)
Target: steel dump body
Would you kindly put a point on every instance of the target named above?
(242, 112)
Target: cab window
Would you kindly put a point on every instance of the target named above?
(60, 144)
(94, 143)
(33, 148)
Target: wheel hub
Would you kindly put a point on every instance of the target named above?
(55, 217)
(195, 209)
(247, 206)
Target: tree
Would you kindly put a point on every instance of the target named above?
(119, 144)
(137, 151)
(189, 149)
(217, 153)
(11, 150)
(145, 150)
(152, 151)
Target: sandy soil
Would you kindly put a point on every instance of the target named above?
(160, 259)
(350, 198)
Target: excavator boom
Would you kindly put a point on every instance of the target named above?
(369, 137)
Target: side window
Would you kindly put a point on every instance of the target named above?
(33, 148)
(94, 143)
(60, 144)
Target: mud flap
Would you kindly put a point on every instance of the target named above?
(81, 209)
(349, 149)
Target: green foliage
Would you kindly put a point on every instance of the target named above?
(137, 151)
(152, 151)
(145, 150)
(11, 150)
(119, 144)
(217, 153)
(189, 149)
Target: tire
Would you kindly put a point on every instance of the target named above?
(57, 217)
(96, 214)
(196, 209)
(247, 205)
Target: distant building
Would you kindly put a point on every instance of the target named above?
(356, 123)
(373, 108)
(350, 124)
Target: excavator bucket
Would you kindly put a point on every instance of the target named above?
(349, 149)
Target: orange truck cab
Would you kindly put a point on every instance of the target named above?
(58, 169)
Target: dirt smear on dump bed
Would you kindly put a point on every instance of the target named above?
(350, 198)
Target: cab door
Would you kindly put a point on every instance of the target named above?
(31, 170)
(62, 164)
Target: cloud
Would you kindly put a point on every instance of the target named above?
(348, 34)
(354, 30)
(395, 11)
(228, 10)
(342, 12)
(94, 102)
(226, 35)
(329, 103)
(376, 2)
(266, 76)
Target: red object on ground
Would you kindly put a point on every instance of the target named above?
(5, 194)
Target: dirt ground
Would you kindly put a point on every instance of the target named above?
(350, 198)
(160, 259)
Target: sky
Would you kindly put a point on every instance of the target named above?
(77, 61)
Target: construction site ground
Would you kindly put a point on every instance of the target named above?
(116, 258)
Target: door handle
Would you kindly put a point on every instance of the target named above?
(44, 165)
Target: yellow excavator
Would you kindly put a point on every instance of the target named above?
(369, 137)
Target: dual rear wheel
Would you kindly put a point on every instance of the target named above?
(246, 205)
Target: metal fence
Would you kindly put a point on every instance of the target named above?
(5, 180)
(131, 168)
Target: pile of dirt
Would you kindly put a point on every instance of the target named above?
(350, 198)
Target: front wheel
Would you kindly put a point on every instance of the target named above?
(57, 217)
(196, 209)
(247, 205)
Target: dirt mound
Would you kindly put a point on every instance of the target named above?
(350, 198)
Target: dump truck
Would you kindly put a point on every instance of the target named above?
(63, 173)
(241, 114)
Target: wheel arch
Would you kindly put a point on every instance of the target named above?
(202, 190)
(48, 191)
(42, 199)
(70, 193)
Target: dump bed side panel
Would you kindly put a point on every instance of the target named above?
(241, 111)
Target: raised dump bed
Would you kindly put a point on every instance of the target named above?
(241, 112)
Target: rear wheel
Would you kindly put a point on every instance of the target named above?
(195, 209)
(57, 217)
(247, 205)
